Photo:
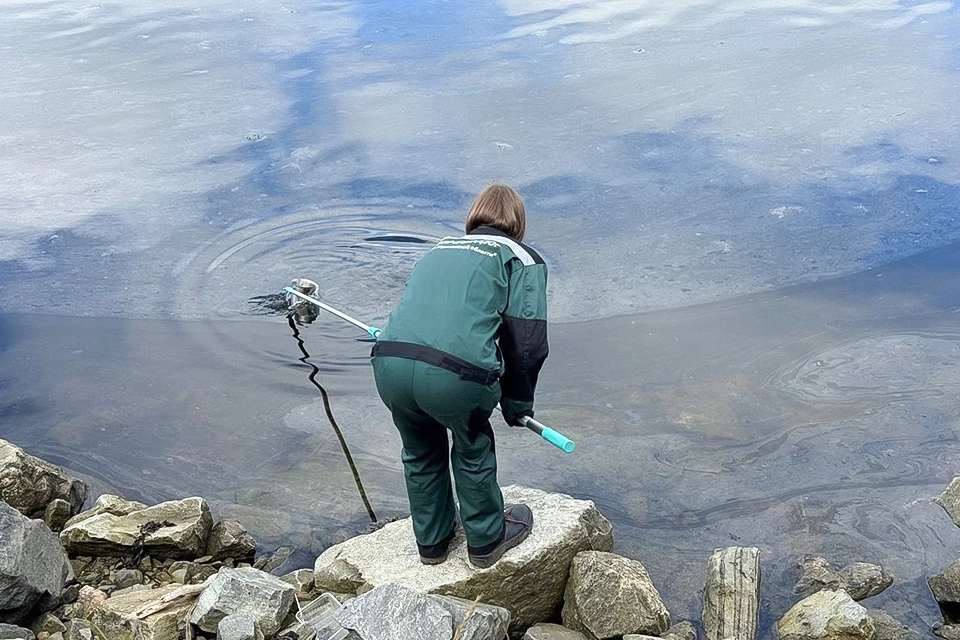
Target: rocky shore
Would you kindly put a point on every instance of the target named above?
(123, 570)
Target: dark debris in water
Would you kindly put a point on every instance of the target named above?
(274, 304)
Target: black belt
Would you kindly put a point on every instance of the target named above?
(466, 370)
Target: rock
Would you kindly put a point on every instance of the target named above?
(33, 566)
(239, 626)
(130, 589)
(11, 632)
(229, 539)
(127, 578)
(528, 581)
(155, 614)
(683, 630)
(731, 598)
(244, 590)
(889, 628)
(107, 503)
(950, 500)
(826, 615)
(186, 572)
(475, 620)
(609, 596)
(57, 513)
(29, 484)
(47, 623)
(946, 631)
(862, 580)
(302, 581)
(89, 600)
(817, 575)
(78, 630)
(946, 590)
(176, 529)
(392, 612)
(273, 561)
(546, 631)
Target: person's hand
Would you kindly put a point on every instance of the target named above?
(516, 419)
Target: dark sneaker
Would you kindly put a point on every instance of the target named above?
(517, 523)
(436, 553)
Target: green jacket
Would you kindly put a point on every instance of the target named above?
(479, 303)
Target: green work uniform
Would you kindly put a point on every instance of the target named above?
(470, 331)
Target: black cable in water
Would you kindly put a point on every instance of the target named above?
(314, 370)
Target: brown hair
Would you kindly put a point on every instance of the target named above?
(498, 206)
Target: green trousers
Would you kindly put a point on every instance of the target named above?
(428, 402)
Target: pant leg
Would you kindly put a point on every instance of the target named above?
(426, 467)
(465, 408)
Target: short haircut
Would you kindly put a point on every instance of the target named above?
(498, 206)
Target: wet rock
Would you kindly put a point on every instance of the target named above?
(826, 615)
(12, 632)
(546, 631)
(239, 626)
(528, 581)
(33, 566)
(154, 614)
(57, 513)
(107, 503)
(273, 561)
(475, 620)
(127, 578)
(947, 631)
(683, 630)
(950, 500)
(176, 529)
(609, 596)
(48, 624)
(229, 539)
(731, 599)
(946, 590)
(863, 580)
(889, 628)
(392, 612)
(818, 574)
(29, 484)
(244, 590)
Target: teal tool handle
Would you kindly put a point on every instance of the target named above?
(374, 332)
(552, 436)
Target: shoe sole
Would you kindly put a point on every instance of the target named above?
(487, 561)
(438, 560)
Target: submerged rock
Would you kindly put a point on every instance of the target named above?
(33, 566)
(392, 612)
(229, 539)
(826, 615)
(546, 631)
(731, 598)
(609, 596)
(245, 590)
(153, 614)
(818, 575)
(528, 581)
(29, 484)
(107, 503)
(860, 579)
(950, 500)
(175, 529)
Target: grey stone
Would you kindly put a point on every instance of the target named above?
(109, 535)
(889, 628)
(130, 589)
(107, 503)
(818, 574)
(57, 513)
(229, 539)
(947, 631)
(127, 578)
(946, 590)
(528, 581)
(273, 561)
(826, 615)
(546, 631)
(683, 630)
(56, 636)
(863, 580)
(244, 590)
(29, 484)
(475, 620)
(11, 632)
(950, 500)
(78, 630)
(154, 614)
(47, 623)
(392, 612)
(731, 598)
(301, 579)
(609, 596)
(33, 566)
(239, 626)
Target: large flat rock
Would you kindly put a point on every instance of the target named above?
(528, 581)
(29, 484)
(151, 614)
(175, 529)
